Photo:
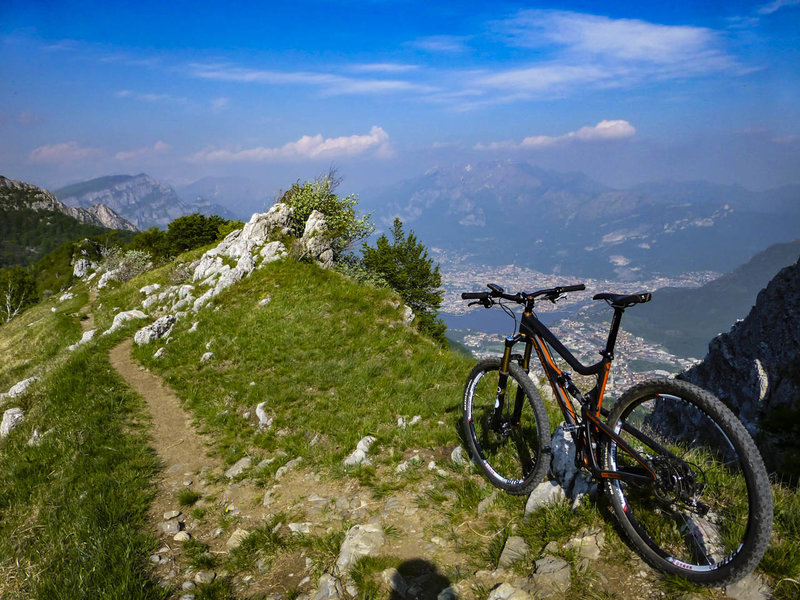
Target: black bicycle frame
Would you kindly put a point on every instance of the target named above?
(538, 337)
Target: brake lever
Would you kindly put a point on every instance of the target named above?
(555, 298)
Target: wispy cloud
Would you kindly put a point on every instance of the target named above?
(150, 97)
(65, 152)
(307, 147)
(775, 6)
(442, 43)
(603, 131)
(382, 68)
(142, 153)
(576, 51)
(330, 83)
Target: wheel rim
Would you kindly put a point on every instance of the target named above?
(510, 451)
(697, 516)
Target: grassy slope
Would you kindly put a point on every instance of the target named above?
(72, 508)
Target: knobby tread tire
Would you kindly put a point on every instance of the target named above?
(755, 474)
(490, 368)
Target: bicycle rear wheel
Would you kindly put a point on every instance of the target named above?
(708, 516)
(513, 450)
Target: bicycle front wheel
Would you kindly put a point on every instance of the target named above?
(708, 515)
(511, 445)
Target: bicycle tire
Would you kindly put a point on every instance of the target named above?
(709, 516)
(518, 459)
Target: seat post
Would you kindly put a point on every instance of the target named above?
(612, 334)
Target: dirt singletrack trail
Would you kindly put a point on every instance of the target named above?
(174, 438)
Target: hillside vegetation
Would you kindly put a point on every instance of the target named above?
(27, 234)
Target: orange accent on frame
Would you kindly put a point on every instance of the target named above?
(603, 381)
(560, 392)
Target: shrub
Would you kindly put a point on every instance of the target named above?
(345, 227)
(127, 263)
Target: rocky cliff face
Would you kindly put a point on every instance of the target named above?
(755, 370)
(138, 198)
(39, 199)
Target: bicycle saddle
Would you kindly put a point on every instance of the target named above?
(623, 300)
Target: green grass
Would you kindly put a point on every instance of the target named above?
(72, 509)
(34, 339)
(187, 497)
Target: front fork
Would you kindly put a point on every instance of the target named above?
(497, 424)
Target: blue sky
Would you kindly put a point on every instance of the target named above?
(625, 92)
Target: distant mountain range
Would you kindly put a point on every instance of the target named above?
(504, 212)
(33, 222)
(139, 198)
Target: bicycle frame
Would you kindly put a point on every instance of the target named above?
(588, 429)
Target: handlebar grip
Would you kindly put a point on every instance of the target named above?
(573, 288)
(474, 295)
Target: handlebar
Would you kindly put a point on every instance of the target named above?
(552, 294)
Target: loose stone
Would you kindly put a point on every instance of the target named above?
(204, 577)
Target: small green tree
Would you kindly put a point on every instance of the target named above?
(193, 231)
(345, 227)
(404, 264)
(153, 240)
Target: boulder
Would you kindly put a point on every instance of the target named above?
(360, 540)
(81, 267)
(19, 388)
(315, 241)
(359, 455)
(86, 337)
(121, 318)
(12, 418)
(156, 330)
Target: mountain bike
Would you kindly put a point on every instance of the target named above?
(682, 474)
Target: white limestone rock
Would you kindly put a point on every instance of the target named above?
(158, 329)
(359, 455)
(19, 388)
(12, 418)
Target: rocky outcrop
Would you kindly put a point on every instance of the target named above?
(39, 199)
(755, 370)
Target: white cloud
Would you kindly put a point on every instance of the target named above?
(604, 130)
(140, 153)
(307, 147)
(61, 153)
(775, 6)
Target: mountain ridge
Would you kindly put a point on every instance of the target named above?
(41, 199)
(140, 198)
